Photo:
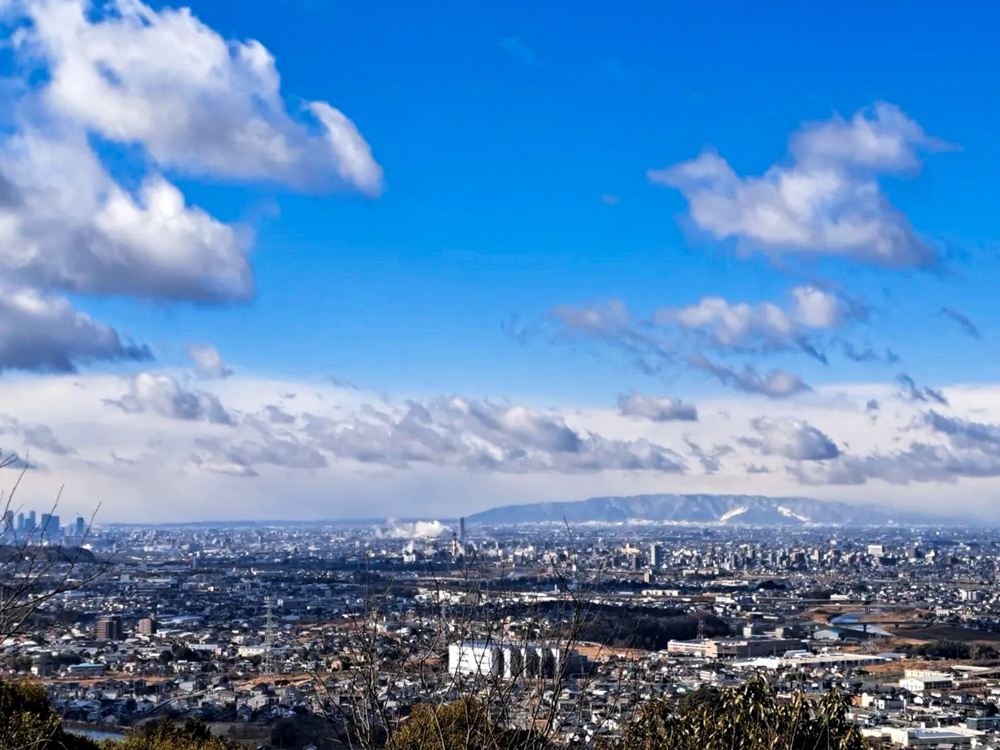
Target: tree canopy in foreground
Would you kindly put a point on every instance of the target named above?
(749, 717)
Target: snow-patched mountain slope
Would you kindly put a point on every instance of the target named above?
(730, 514)
(789, 513)
(753, 510)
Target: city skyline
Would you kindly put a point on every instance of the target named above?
(32, 526)
(326, 267)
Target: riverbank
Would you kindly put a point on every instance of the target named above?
(95, 731)
(251, 734)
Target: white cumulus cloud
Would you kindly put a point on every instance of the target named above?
(736, 324)
(791, 438)
(192, 99)
(156, 393)
(208, 363)
(823, 200)
(44, 332)
(85, 233)
(656, 408)
(183, 99)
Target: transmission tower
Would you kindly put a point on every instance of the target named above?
(701, 629)
(267, 665)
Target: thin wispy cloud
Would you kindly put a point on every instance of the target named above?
(922, 393)
(811, 321)
(617, 72)
(775, 383)
(519, 50)
(963, 320)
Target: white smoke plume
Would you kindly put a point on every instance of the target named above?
(418, 530)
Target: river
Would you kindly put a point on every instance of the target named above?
(94, 734)
(850, 620)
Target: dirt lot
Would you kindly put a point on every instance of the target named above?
(906, 615)
(899, 666)
(937, 632)
(823, 614)
(596, 651)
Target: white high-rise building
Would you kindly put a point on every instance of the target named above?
(655, 555)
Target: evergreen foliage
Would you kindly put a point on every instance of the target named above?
(745, 718)
(28, 721)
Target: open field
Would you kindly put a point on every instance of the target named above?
(937, 631)
(595, 651)
(906, 615)
(902, 664)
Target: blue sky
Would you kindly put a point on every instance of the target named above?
(495, 167)
(535, 170)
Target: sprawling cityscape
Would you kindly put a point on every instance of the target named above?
(512, 375)
(250, 627)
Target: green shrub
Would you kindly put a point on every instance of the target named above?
(462, 725)
(27, 720)
(165, 735)
(744, 718)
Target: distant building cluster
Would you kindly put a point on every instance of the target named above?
(43, 527)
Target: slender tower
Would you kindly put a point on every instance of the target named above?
(267, 665)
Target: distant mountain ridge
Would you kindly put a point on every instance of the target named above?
(748, 510)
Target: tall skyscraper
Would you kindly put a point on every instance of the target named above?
(20, 522)
(655, 555)
(31, 522)
(81, 527)
(49, 527)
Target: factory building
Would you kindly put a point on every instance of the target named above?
(739, 648)
(508, 660)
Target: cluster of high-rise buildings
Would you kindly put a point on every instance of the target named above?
(43, 527)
